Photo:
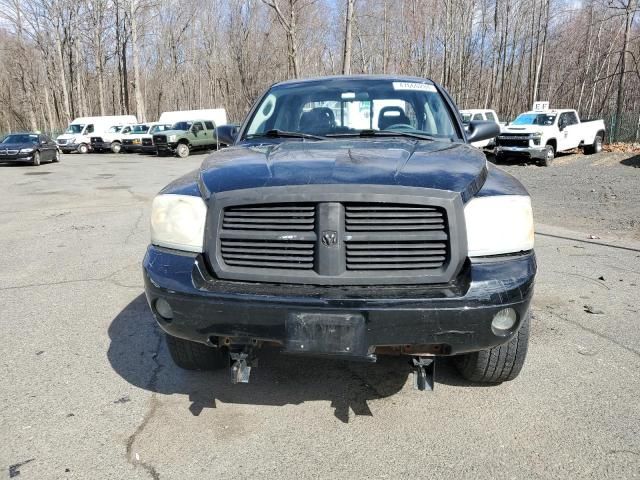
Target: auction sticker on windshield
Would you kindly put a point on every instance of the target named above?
(424, 87)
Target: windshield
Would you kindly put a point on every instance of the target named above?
(24, 138)
(182, 126)
(74, 128)
(534, 119)
(466, 118)
(159, 128)
(348, 106)
(139, 129)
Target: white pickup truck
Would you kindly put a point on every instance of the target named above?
(471, 114)
(541, 133)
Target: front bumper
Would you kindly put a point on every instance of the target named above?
(68, 147)
(166, 147)
(448, 319)
(132, 147)
(20, 157)
(537, 152)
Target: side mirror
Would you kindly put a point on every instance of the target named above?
(479, 130)
(227, 134)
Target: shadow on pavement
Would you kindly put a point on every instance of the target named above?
(632, 162)
(138, 354)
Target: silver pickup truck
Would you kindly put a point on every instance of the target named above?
(540, 134)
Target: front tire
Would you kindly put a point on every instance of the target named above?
(549, 155)
(182, 150)
(116, 147)
(36, 159)
(83, 148)
(196, 356)
(56, 158)
(498, 364)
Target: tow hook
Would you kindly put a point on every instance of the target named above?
(423, 373)
(241, 364)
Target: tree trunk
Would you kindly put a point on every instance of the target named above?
(135, 54)
(346, 58)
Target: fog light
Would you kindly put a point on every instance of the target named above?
(164, 309)
(503, 321)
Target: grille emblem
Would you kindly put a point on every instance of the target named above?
(329, 238)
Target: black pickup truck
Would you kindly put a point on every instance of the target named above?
(349, 218)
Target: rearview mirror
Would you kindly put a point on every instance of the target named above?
(479, 130)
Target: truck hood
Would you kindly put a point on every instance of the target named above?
(522, 129)
(170, 132)
(448, 166)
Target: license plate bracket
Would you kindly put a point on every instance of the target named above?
(326, 333)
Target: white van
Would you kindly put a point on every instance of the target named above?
(77, 136)
(217, 115)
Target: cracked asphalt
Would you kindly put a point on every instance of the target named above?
(88, 390)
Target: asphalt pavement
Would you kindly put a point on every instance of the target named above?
(88, 390)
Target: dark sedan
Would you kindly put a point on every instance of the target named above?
(33, 148)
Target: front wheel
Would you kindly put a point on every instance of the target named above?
(182, 150)
(498, 364)
(116, 147)
(549, 155)
(56, 158)
(83, 148)
(196, 356)
(36, 159)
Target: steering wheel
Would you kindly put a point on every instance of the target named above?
(400, 126)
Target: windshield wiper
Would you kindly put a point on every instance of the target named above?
(383, 133)
(275, 133)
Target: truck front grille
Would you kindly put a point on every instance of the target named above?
(160, 139)
(127, 141)
(515, 140)
(331, 241)
(388, 224)
(147, 142)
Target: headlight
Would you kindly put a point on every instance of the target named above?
(172, 138)
(26, 150)
(498, 225)
(177, 221)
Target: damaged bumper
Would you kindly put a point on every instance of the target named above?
(347, 321)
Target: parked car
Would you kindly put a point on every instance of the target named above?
(112, 140)
(480, 114)
(77, 136)
(540, 134)
(132, 140)
(323, 238)
(146, 140)
(186, 136)
(30, 147)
